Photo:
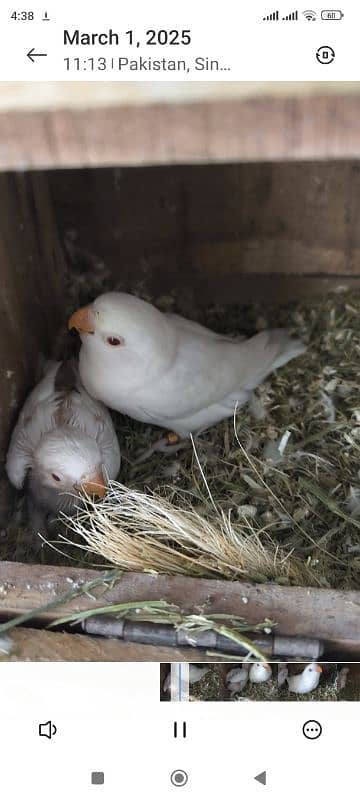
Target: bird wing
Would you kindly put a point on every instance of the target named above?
(93, 418)
(78, 409)
(189, 326)
(35, 418)
(237, 675)
(216, 373)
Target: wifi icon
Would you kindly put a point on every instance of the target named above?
(310, 15)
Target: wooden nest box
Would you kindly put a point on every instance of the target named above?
(210, 202)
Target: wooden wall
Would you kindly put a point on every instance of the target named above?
(31, 295)
(224, 233)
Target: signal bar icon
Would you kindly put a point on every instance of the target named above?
(274, 17)
(292, 16)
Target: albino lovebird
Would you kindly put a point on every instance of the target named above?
(196, 672)
(169, 371)
(307, 681)
(237, 678)
(64, 442)
(259, 673)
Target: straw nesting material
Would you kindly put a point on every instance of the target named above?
(271, 497)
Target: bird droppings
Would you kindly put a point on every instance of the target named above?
(245, 600)
(5, 587)
(45, 587)
(247, 511)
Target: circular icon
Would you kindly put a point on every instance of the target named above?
(179, 777)
(312, 729)
(325, 54)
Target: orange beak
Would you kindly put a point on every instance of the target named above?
(82, 320)
(95, 487)
(318, 668)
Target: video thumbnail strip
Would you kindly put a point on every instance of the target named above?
(260, 681)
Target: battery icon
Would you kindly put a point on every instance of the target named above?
(332, 14)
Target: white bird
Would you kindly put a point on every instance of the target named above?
(259, 673)
(196, 673)
(237, 678)
(169, 371)
(341, 678)
(307, 681)
(64, 442)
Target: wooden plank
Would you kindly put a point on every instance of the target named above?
(29, 644)
(333, 616)
(210, 234)
(263, 129)
(272, 289)
(31, 275)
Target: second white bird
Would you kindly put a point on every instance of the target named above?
(64, 444)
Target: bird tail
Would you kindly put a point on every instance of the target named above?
(270, 350)
(287, 348)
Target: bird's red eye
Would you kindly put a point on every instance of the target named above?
(56, 477)
(113, 340)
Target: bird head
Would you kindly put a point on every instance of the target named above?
(66, 463)
(313, 668)
(260, 671)
(117, 322)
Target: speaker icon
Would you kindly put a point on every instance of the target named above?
(47, 729)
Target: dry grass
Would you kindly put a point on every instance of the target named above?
(146, 532)
(305, 499)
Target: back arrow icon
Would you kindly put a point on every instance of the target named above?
(261, 778)
(33, 55)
